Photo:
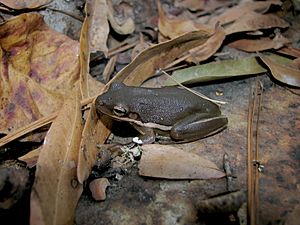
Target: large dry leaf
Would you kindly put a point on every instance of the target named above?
(94, 132)
(256, 45)
(172, 163)
(159, 56)
(38, 66)
(284, 72)
(239, 11)
(25, 4)
(255, 21)
(56, 190)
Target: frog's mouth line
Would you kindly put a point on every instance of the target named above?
(140, 123)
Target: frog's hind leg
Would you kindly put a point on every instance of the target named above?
(198, 126)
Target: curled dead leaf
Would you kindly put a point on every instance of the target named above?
(285, 73)
(98, 188)
(97, 27)
(175, 26)
(256, 45)
(172, 163)
(56, 190)
(126, 26)
(206, 50)
(150, 60)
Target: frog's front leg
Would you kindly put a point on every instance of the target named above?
(147, 134)
(197, 126)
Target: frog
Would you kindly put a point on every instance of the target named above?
(164, 115)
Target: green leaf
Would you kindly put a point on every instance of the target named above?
(216, 71)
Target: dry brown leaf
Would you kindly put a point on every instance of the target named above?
(284, 73)
(254, 21)
(84, 56)
(195, 5)
(94, 132)
(291, 51)
(172, 163)
(150, 60)
(174, 26)
(296, 63)
(39, 66)
(56, 190)
(97, 25)
(239, 11)
(124, 26)
(25, 4)
(90, 40)
(256, 45)
(206, 50)
(31, 157)
(141, 46)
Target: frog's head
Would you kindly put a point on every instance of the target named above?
(113, 101)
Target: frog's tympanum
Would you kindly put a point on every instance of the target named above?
(168, 114)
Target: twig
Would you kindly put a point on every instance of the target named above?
(249, 153)
(117, 50)
(67, 13)
(121, 48)
(259, 166)
(253, 164)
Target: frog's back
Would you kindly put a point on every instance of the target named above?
(168, 105)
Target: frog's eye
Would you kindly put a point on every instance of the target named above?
(120, 110)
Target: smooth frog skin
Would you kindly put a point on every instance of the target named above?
(176, 113)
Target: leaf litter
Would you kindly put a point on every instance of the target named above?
(36, 88)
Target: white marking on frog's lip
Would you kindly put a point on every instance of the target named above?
(140, 123)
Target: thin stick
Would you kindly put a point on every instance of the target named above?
(28, 128)
(121, 48)
(67, 13)
(194, 92)
(249, 152)
(256, 186)
(115, 51)
(253, 171)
